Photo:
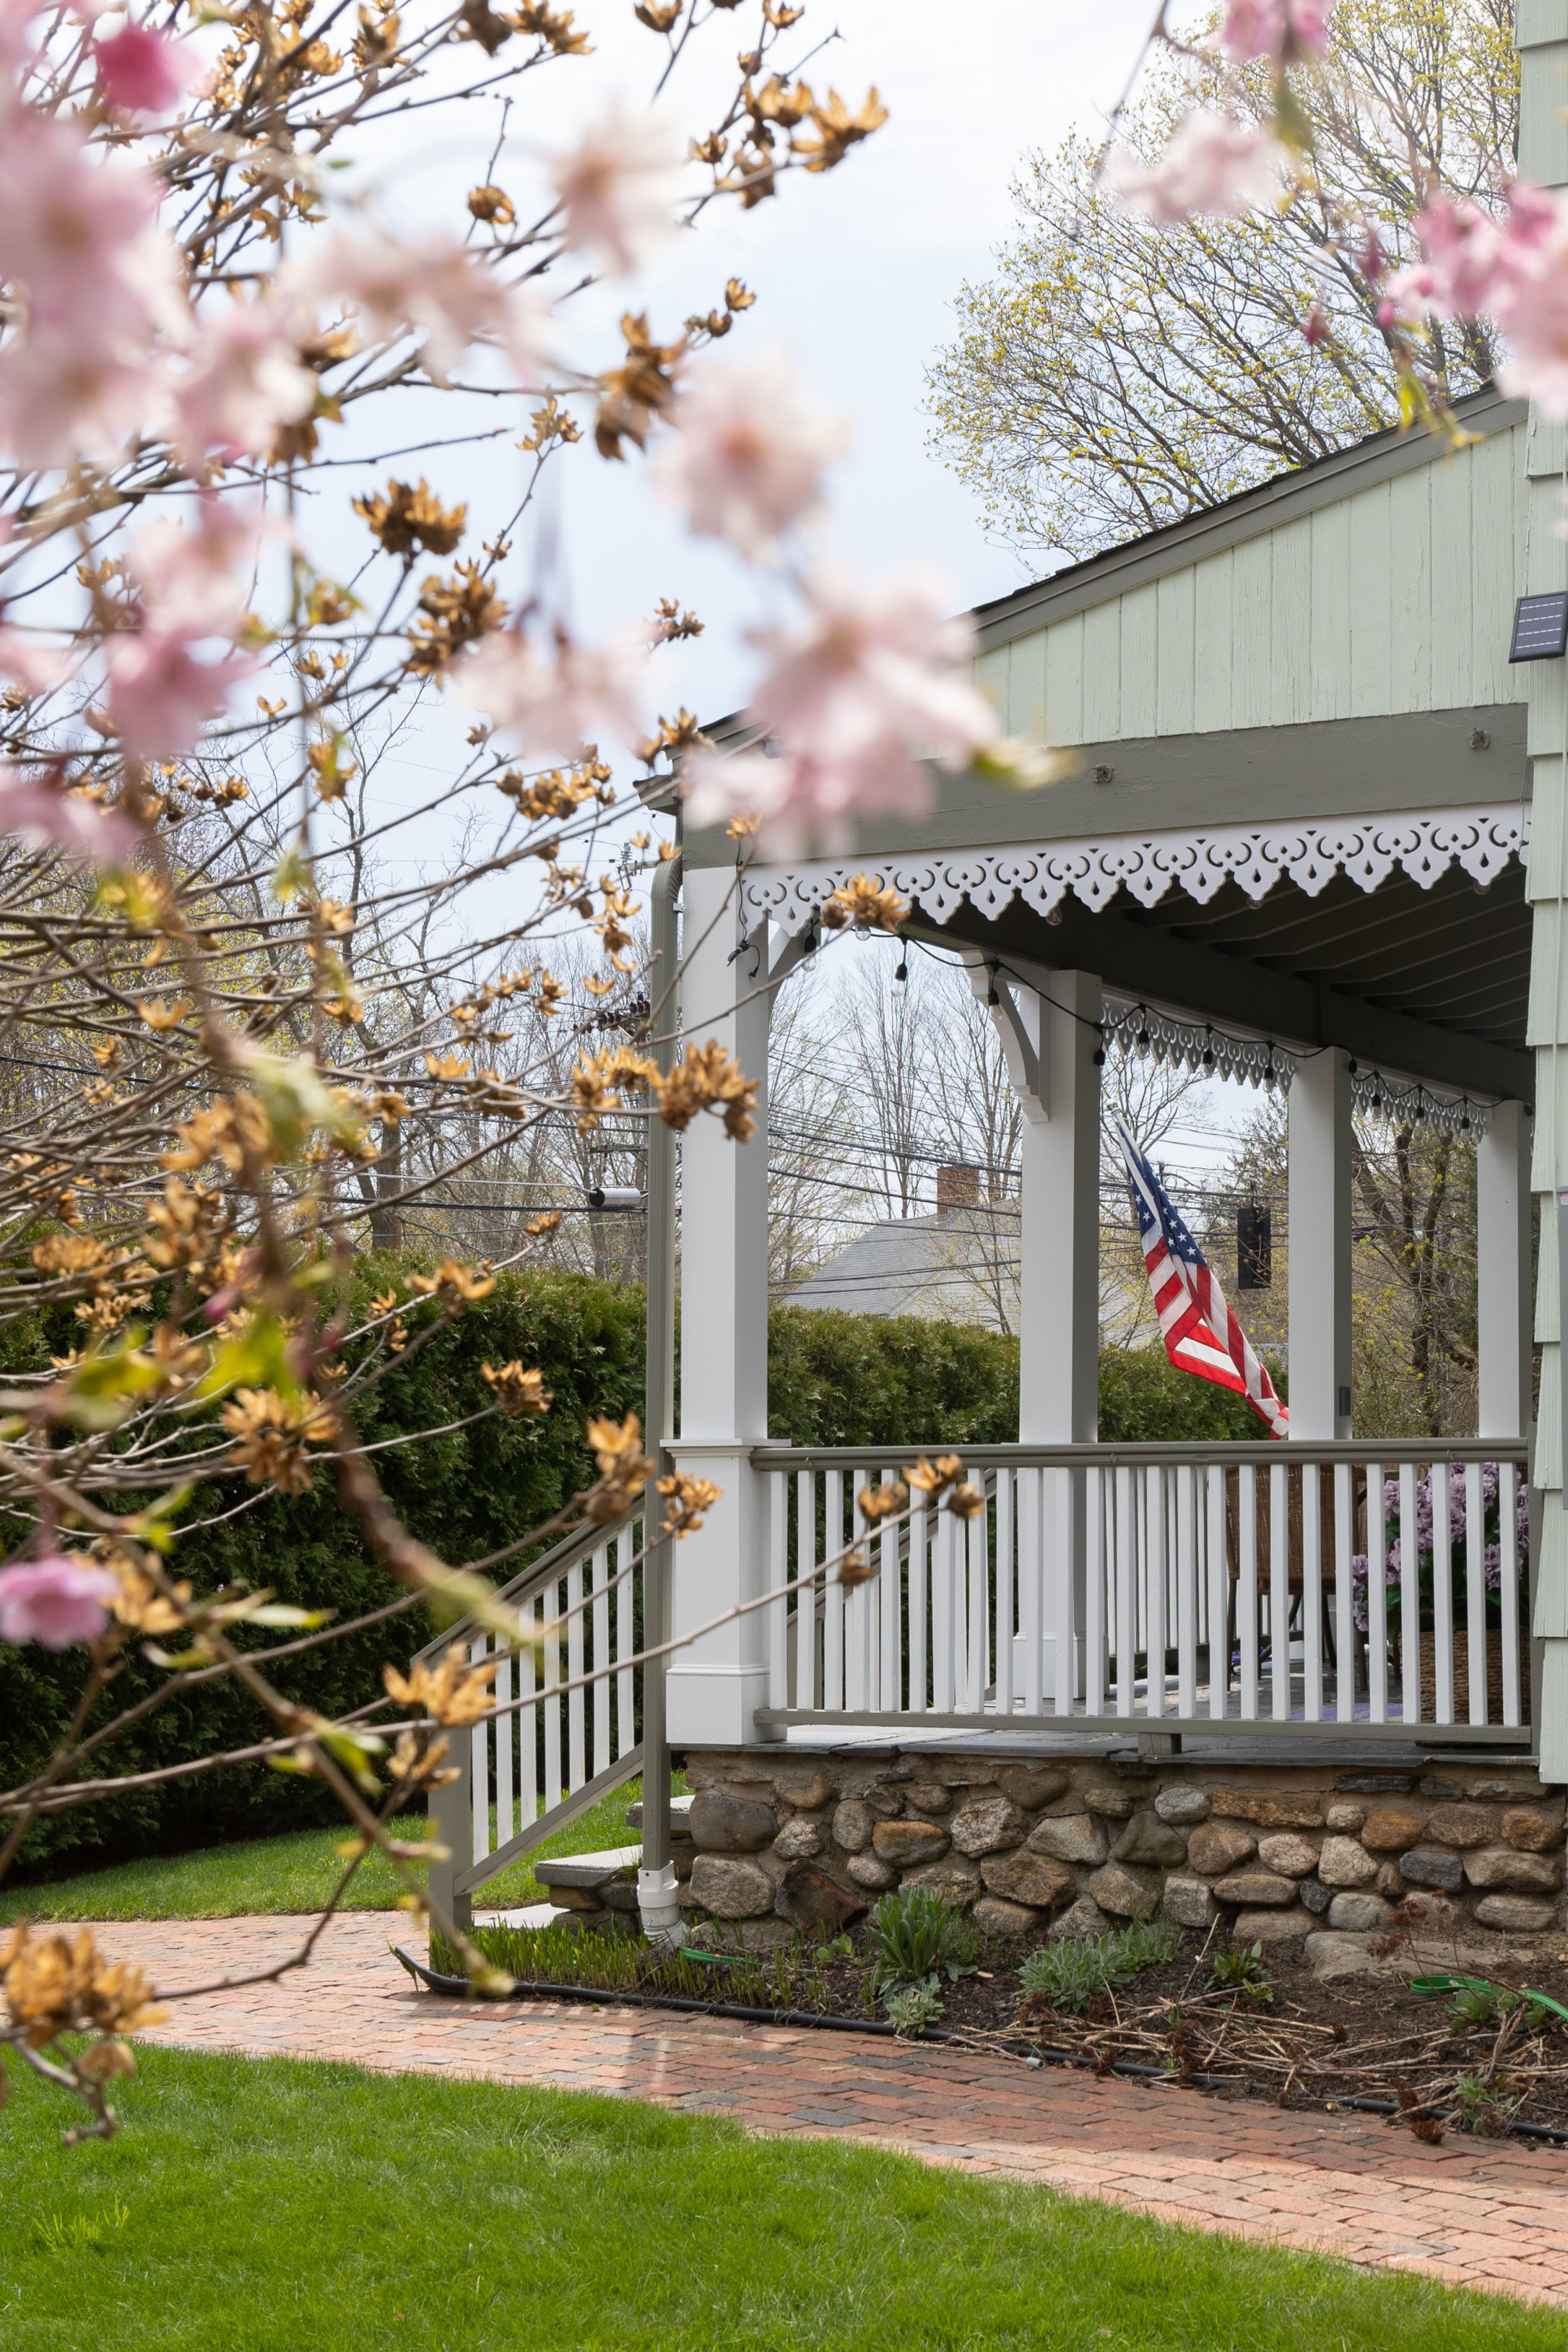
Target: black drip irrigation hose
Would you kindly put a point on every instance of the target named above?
(1041, 2053)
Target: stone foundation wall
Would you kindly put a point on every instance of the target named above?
(779, 1841)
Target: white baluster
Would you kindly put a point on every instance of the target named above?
(626, 1644)
(1476, 1588)
(601, 1690)
(1126, 1538)
(1507, 1561)
(805, 1693)
(1409, 1599)
(833, 1594)
(1219, 1598)
(919, 1605)
(1063, 1493)
(778, 1577)
(943, 1576)
(528, 1726)
(1032, 1589)
(1154, 1634)
(504, 1735)
(552, 1701)
(1311, 1593)
(1344, 1593)
(1376, 1595)
(1442, 1595)
(1094, 1628)
(1004, 1634)
(890, 1594)
(576, 1759)
(1247, 1626)
(1186, 1592)
(479, 1752)
(1279, 1589)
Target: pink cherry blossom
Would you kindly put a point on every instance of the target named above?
(1513, 270)
(1280, 30)
(619, 186)
(438, 290)
(53, 1600)
(1213, 164)
(868, 688)
(242, 381)
(140, 72)
(553, 702)
(160, 695)
(80, 238)
(198, 582)
(36, 808)
(747, 457)
(35, 667)
(61, 396)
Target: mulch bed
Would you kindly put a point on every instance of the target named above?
(1315, 2042)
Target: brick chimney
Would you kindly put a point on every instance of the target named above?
(957, 1188)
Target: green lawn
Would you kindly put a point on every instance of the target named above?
(296, 1873)
(266, 2206)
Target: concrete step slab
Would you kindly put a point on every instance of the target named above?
(589, 1872)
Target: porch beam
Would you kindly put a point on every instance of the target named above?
(1141, 960)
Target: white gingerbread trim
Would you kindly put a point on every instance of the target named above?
(1482, 840)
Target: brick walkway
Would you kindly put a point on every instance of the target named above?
(1469, 2213)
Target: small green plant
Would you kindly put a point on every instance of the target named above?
(912, 2007)
(75, 2235)
(1070, 1973)
(1476, 2000)
(1486, 2107)
(1243, 1971)
(916, 1933)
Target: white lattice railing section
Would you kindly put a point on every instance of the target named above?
(567, 1705)
(1309, 1586)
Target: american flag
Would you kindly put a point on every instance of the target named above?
(1201, 1334)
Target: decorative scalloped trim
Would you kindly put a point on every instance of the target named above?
(1368, 849)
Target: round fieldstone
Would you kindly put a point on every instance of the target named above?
(1361, 1915)
(1530, 1830)
(1344, 1862)
(1181, 1804)
(852, 1825)
(954, 1875)
(865, 1870)
(906, 1844)
(1005, 1918)
(1274, 1927)
(799, 1838)
(730, 1887)
(1520, 1873)
(1032, 1878)
(1460, 1825)
(928, 1797)
(1116, 1890)
(808, 1793)
(1148, 1838)
(1344, 1817)
(1215, 1847)
(811, 1899)
(988, 1826)
(1389, 1829)
(1316, 1897)
(723, 1822)
(1256, 1887)
(1432, 1866)
(765, 1934)
(1116, 1804)
(1188, 1901)
(1084, 1918)
(1284, 1851)
(1070, 1837)
(1521, 1915)
(1031, 1785)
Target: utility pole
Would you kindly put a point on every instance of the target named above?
(656, 1894)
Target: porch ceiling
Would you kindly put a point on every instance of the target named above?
(1433, 982)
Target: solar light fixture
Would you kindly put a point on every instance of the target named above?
(1539, 628)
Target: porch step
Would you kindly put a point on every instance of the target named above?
(679, 1816)
(590, 1873)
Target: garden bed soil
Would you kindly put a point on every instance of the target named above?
(1318, 2042)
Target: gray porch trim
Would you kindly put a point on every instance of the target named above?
(1377, 459)
(1278, 1737)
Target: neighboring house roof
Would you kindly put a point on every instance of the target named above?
(952, 1268)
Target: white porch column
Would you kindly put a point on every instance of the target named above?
(1058, 1306)
(1544, 159)
(1502, 1273)
(1320, 1246)
(714, 1686)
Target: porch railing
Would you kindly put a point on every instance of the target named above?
(550, 1750)
(1278, 1589)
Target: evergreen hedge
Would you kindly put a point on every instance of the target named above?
(834, 1380)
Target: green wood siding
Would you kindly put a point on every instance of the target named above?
(1397, 598)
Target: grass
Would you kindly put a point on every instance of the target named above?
(295, 1872)
(266, 2205)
